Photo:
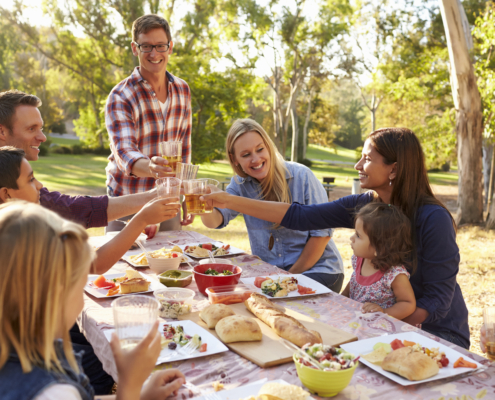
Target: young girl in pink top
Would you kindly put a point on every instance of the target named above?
(382, 247)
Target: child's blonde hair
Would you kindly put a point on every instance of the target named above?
(274, 186)
(43, 256)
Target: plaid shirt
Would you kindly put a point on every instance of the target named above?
(136, 125)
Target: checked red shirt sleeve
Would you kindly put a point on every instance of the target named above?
(89, 211)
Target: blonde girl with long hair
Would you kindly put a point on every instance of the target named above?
(45, 264)
(262, 173)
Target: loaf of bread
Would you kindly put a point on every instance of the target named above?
(238, 328)
(214, 313)
(134, 285)
(284, 325)
(412, 365)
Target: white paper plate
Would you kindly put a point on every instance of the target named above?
(126, 258)
(215, 346)
(301, 279)
(231, 251)
(102, 293)
(363, 347)
(243, 392)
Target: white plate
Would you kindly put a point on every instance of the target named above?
(126, 258)
(243, 392)
(190, 328)
(301, 280)
(363, 347)
(231, 251)
(102, 293)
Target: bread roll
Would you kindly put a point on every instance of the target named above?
(412, 365)
(214, 313)
(284, 325)
(238, 328)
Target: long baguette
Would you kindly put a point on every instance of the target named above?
(284, 325)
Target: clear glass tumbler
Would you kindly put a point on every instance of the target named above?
(172, 152)
(210, 182)
(186, 171)
(169, 188)
(193, 190)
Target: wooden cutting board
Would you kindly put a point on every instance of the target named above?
(269, 352)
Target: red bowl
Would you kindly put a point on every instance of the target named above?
(205, 281)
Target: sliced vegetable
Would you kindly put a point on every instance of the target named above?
(462, 363)
(207, 246)
(386, 346)
(203, 347)
(100, 282)
(396, 344)
(259, 280)
(407, 343)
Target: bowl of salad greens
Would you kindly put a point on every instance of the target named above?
(338, 369)
(216, 274)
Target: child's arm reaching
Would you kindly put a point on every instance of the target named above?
(153, 212)
(404, 294)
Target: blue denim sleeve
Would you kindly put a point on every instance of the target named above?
(315, 194)
(228, 214)
(334, 214)
(438, 263)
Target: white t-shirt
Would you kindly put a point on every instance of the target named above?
(164, 106)
(59, 391)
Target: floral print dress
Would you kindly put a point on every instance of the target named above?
(376, 288)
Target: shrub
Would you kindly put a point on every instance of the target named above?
(44, 147)
(77, 149)
(62, 150)
(306, 162)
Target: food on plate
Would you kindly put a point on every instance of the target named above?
(174, 302)
(238, 328)
(302, 290)
(377, 356)
(134, 285)
(280, 287)
(410, 364)
(225, 272)
(462, 363)
(331, 358)
(283, 392)
(176, 336)
(259, 280)
(131, 282)
(397, 344)
(177, 249)
(140, 259)
(218, 295)
(103, 283)
(284, 325)
(201, 250)
(214, 313)
(150, 231)
(217, 386)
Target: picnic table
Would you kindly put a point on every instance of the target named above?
(333, 309)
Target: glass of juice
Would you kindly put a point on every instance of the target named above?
(172, 152)
(169, 188)
(193, 190)
(134, 316)
(489, 321)
(209, 182)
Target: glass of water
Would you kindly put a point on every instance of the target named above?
(134, 316)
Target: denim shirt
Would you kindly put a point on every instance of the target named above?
(288, 244)
(17, 385)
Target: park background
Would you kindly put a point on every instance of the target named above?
(318, 75)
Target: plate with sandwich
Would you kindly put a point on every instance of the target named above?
(410, 358)
(286, 286)
(115, 285)
(200, 250)
(138, 259)
(261, 390)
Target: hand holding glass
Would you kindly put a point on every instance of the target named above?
(172, 152)
(169, 188)
(193, 190)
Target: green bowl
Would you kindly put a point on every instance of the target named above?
(176, 278)
(324, 383)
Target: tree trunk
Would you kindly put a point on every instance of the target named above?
(469, 117)
(490, 219)
(306, 123)
(487, 161)
(97, 118)
(295, 132)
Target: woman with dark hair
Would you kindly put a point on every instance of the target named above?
(392, 166)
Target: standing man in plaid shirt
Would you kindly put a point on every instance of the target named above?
(148, 107)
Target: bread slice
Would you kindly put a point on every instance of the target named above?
(238, 328)
(412, 365)
(214, 313)
(134, 285)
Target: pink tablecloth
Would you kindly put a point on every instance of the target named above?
(333, 309)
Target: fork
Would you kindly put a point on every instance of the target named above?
(206, 396)
(188, 349)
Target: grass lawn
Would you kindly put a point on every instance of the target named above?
(62, 141)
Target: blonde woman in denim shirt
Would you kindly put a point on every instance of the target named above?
(262, 173)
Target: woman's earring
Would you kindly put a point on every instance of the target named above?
(390, 183)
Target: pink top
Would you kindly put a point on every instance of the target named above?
(376, 288)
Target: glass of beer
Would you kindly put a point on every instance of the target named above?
(209, 182)
(186, 171)
(489, 321)
(193, 190)
(134, 316)
(172, 152)
(169, 188)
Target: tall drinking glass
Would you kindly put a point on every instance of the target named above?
(169, 188)
(186, 171)
(489, 321)
(172, 152)
(209, 182)
(134, 316)
(193, 190)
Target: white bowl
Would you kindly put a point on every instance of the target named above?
(217, 261)
(159, 265)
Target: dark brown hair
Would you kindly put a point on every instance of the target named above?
(411, 188)
(389, 232)
(10, 100)
(10, 165)
(149, 22)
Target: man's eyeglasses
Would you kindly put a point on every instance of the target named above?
(148, 48)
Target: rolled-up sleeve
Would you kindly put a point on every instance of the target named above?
(89, 211)
(122, 132)
(439, 259)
